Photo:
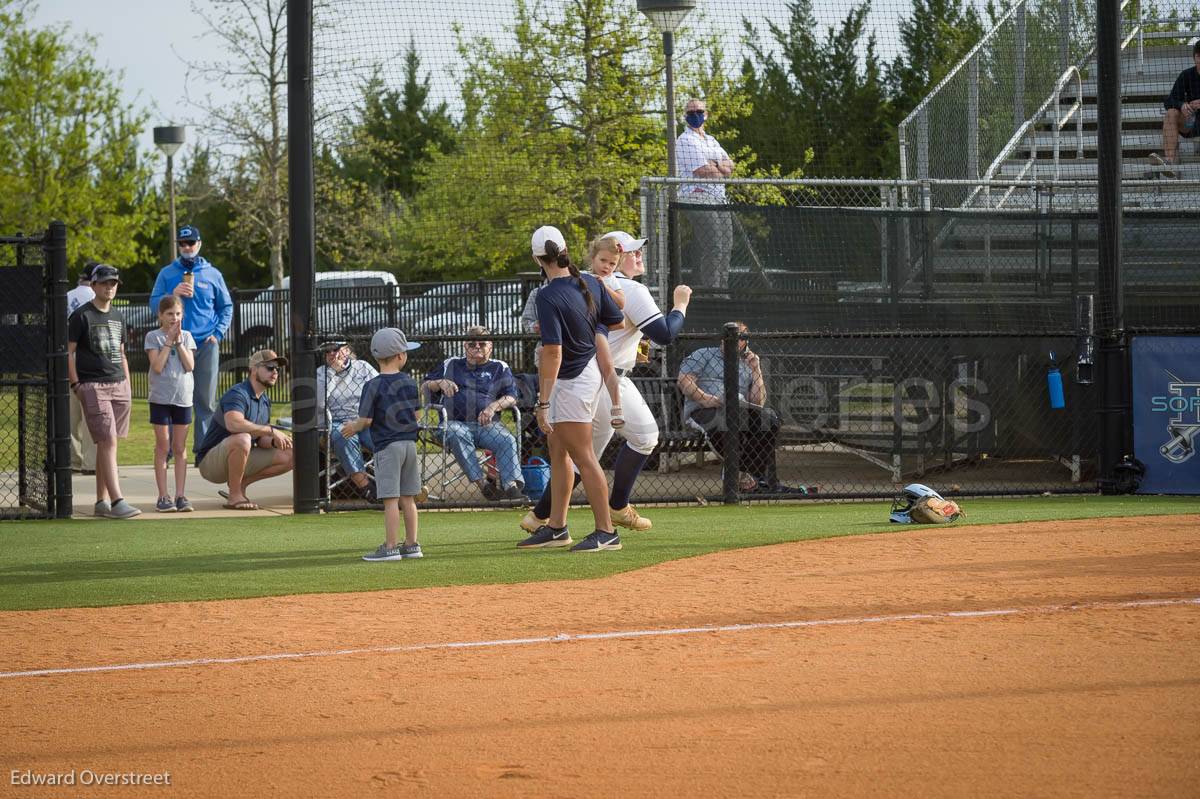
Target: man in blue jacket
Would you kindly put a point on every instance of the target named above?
(207, 312)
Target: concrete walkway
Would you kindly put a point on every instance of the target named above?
(273, 496)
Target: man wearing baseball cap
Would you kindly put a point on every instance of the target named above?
(241, 447)
(99, 376)
(207, 312)
(474, 389)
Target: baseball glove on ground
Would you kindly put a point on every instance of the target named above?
(935, 510)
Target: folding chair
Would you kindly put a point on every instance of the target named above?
(445, 472)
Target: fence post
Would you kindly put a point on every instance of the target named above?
(733, 412)
(923, 145)
(59, 394)
(481, 294)
(1019, 71)
(973, 120)
(1064, 36)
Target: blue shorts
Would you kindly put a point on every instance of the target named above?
(169, 414)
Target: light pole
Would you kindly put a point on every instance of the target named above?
(667, 16)
(169, 140)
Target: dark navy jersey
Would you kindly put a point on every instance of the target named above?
(564, 319)
(478, 386)
(391, 402)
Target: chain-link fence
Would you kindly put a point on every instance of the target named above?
(348, 305)
(35, 468)
(844, 256)
(832, 416)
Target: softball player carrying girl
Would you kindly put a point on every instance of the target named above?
(574, 314)
(642, 318)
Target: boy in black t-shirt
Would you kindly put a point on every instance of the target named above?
(389, 405)
(99, 376)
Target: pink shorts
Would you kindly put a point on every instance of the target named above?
(105, 408)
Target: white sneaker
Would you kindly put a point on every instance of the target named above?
(531, 523)
(630, 519)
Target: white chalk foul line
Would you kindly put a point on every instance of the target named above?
(615, 634)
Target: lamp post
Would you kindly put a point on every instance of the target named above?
(169, 140)
(667, 16)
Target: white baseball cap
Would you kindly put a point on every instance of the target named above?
(544, 234)
(626, 242)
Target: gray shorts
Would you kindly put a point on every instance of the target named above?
(397, 473)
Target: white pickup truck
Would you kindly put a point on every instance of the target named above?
(340, 297)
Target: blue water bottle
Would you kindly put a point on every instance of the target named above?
(1054, 384)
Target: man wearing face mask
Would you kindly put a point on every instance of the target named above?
(207, 312)
(698, 154)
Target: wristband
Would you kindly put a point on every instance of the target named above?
(540, 405)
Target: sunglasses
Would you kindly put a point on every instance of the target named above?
(271, 368)
(188, 243)
(478, 343)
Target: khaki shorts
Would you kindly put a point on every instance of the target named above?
(215, 466)
(105, 408)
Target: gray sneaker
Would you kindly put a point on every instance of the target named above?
(385, 553)
(399, 552)
(101, 509)
(123, 510)
(182, 505)
(165, 505)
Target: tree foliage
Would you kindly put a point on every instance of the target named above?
(817, 103)
(69, 145)
(554, 132)
(396, 131)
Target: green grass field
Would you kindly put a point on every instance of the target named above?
(82, 563)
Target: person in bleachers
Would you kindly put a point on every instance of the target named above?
(1182, 116)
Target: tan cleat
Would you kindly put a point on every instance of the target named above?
(629, 518)
(531, 523)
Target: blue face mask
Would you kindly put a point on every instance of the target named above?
(695, 119)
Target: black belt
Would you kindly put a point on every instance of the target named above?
(622, 372)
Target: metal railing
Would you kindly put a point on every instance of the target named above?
(1010, 58)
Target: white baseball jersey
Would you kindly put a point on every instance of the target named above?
(640, 310)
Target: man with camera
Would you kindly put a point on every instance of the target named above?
(702, 383)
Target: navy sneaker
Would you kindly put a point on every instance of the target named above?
(597, 541)
(413, 551)
(547, 537)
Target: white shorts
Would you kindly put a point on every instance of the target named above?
(641, 428)
(574, 400)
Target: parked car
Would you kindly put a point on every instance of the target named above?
(340, 298)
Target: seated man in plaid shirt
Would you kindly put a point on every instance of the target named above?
(339, 386)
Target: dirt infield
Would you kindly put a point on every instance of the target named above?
(1075, 692)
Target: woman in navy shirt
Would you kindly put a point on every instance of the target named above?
(574, 314)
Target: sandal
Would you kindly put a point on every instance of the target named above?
(243, 505)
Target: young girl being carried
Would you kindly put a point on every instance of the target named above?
(171, 350)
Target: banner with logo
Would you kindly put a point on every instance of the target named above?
(1166, 412)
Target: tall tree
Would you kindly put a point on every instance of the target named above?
(555, 131)
(817, 103)
(934, 38)
(69, 145)
(251, 133)
(396, 131)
